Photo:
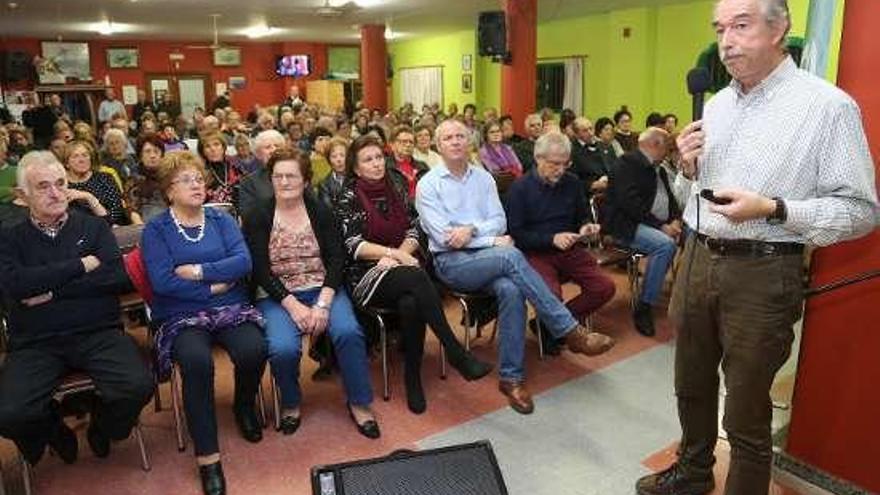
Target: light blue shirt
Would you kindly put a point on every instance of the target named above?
(445, 201)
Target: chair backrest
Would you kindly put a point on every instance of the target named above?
(128, 236)
(137, 273)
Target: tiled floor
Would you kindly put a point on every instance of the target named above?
(599, 424)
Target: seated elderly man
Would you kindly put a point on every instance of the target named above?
(548, 217)
(461, 213)
(642, 213)
(258, 185)
(60, 274)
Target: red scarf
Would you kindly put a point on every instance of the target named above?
(387, 220)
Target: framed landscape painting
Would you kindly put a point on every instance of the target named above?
(123, 58)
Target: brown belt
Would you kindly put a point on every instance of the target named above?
(747, 247)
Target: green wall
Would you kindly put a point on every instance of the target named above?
(645, 71)
(446, 51)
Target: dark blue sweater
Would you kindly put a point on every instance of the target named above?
(221, 252)
(536, 210)
(32, 263)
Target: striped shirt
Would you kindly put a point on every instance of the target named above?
(796, 137)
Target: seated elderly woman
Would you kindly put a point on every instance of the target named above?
(196, 259)
(497, 157)
(222, 173)
(145, 194)
(423, 151)
(90, 189)
(380, 232)
(115, 154)
(298, 263)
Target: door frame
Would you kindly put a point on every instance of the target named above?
(173, 86)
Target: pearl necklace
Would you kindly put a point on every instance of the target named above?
(182, 231)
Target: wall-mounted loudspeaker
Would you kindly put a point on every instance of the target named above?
(492, 34)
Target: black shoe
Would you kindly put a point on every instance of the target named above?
(98, 441)
(470, 367)
(213, 482)
(289, 424)
(63, 442)
(643, 317)
(415, 395)
(673, 482)
(369, 428)
(552, 346)
(248, 424)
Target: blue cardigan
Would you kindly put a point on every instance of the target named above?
(222, 253)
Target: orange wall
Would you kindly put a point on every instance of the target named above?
(257, 66)
(835, 422)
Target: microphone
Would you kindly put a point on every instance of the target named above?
(698, 82)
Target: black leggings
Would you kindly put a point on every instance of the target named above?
(409, 291)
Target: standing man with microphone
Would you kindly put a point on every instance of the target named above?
(787, 153)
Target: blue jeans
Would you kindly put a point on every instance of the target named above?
(506, 273)
(285, 347)
(660, 249)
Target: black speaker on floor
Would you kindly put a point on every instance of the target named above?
(15, 66)
(492, 34)
(467, 469)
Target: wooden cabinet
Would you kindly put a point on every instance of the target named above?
(328, 94)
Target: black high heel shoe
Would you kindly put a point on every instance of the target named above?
(213, 482)
(289, 424)
(369, 428)
(248, 424)
(470, 367)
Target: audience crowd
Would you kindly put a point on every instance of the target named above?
(319, 214)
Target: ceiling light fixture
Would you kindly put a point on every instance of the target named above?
(106, 28)
(260, 31)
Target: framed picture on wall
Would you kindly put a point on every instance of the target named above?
(227, 56)
(123, 58)
(62, 60)
(237, 82)
(467, 83)
(466, 61)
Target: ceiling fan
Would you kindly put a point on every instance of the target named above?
(329, 11)
(216, 44)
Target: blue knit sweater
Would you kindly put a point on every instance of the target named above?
(222, 252)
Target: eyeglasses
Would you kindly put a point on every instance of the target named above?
(286, 177)
(189, 180)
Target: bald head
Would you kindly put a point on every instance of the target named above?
(653, 143)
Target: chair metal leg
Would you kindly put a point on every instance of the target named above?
(26, 475)
(261, 404)
(383, 341)
(465, 316)
(276, 402)
(175, 407)
(145, 458)
(540, 339)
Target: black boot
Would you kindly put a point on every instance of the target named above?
(213, 482)
(643, 317)
(63, 442)
(415, 395)
(248, 424)
(98, 441)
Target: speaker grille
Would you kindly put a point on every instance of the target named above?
(465, 470)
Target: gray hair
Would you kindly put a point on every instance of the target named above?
(266, 136)
(550, 141)
(533, 116)
(775, 11)
(33, 160)
(581, 123)
(447, 123)
(113, 132)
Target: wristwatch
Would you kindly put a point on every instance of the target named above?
(780, 214)
(322, 305)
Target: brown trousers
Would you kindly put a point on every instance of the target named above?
(736, 311)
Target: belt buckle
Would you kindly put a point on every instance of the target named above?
(767, 249)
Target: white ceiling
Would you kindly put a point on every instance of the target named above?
(291, 19)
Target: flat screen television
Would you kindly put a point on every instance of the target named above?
(293, 66)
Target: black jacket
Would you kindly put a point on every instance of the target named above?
(257, 228)
(632, 185)
(587, 163)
